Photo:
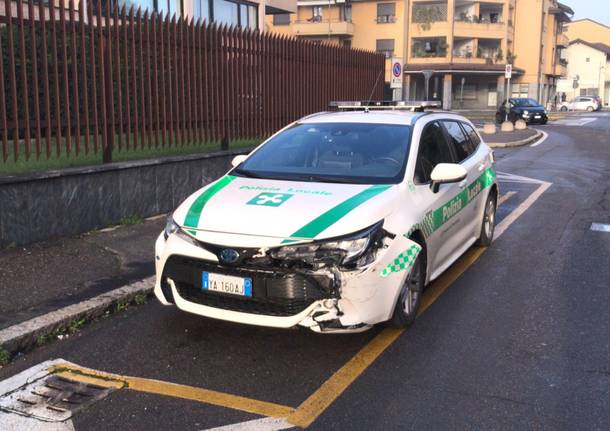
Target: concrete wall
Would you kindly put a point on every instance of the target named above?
(41, 206)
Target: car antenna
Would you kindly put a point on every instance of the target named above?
(373, 91)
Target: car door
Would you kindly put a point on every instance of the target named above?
(465, 153)
(433, 149)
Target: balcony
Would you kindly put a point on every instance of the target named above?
(479, 19)
(562, 40)
(323, 27)
(561, 69)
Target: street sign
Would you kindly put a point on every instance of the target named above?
(508, 71)
(396, 79)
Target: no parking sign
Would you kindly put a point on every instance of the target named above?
(396, 78)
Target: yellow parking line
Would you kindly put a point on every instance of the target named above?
(506, 196)
(86, 375)
(314, 405)
(332, 388)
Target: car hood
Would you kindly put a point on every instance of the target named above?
(282, 210)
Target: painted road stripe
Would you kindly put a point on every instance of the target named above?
(77, 373)
(263, 424)
(506, 196)
(330, 217)
(332, 388)
(518, 212)
(541, 140)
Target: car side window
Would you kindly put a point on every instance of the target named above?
(473, 135)
(433, 149)
(461, 143)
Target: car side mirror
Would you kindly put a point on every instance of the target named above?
(238, 160)
(445, 173)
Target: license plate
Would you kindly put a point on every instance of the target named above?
(241, 286)
(536, 116)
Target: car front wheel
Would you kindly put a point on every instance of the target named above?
(488, 224)
(409, 299)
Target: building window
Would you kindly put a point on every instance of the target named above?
(346, 10)
(429, 47)
(386, 12)
(202, 10)
(588, 60)
(316, 13)
(235, 14)
(385, 46)
(281, 19)
(347, 43)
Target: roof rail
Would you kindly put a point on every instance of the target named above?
(386, 105)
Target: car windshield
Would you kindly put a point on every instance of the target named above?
(333, 152)
(525, 102)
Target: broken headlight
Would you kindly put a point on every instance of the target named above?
(170, 227)
(346, 250)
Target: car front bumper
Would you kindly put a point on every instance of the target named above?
(327, 300)
(535, 117)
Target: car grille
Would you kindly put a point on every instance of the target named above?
(274, 292)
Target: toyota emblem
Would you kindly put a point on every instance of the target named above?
(228, 255)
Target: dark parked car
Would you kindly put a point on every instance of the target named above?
(525, 109)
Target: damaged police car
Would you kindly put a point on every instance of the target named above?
(335, 223)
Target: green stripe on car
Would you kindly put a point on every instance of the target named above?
(435, 219)
(194, 212)
(330, 217)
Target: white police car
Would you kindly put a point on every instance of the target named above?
(335, 223)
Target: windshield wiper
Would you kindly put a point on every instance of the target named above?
(248, 174)
(325, 179)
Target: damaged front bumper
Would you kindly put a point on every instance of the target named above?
(327, 299)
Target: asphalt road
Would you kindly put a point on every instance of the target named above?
(521, 340)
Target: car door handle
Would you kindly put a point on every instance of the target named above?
(463, 184)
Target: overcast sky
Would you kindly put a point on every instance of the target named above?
(598, 10)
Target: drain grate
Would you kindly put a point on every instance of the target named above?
(53, 398)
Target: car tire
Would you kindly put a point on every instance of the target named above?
(544, 122)
(488, 222)
(409, 299)
(589, 108)
(563, 108)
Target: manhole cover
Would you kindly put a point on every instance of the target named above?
(53, 398)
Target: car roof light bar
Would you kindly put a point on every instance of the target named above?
(386, 105)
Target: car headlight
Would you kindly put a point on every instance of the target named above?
(170, 227)
(345, 251)
(526, 113)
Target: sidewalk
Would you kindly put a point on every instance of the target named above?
(46, 276)
(512, 139)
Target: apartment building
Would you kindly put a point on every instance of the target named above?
(239, 13)
(588, 59)
(463, 45)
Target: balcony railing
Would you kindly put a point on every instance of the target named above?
(319, 26)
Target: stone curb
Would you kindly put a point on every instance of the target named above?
(520, 143)
(24, 335)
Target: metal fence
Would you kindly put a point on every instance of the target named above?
(76, 80)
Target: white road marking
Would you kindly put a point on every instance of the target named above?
(506, 196)
(512, 178)
(518, 212)
(15, 422)
(574, 121)
(263, 424)
(41, 324)
(600, 227)
(541, 140)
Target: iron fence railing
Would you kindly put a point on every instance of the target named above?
(109, 80)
